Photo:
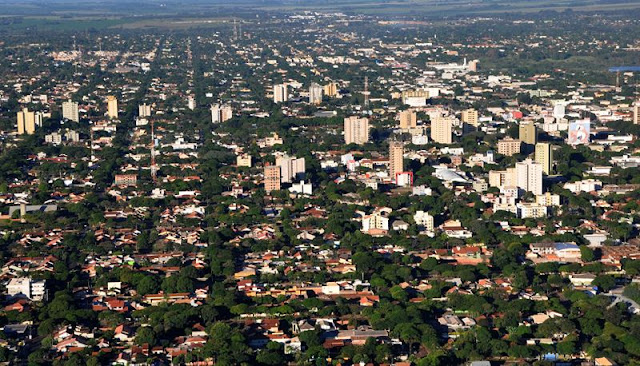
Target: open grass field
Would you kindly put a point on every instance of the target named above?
(437, 8)
(63, 15)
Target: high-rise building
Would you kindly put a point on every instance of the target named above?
(470, 116)
(473, 65)
(356, 130)
(529, 176)
(509, 146)
(271, 178)
(26, 122)
(315, 94)
(544, 156)
(70, 111)
(112, 107)
(280, 93)
(396, 158)
(144, 110)
(408, 119)
(221, 113)
(39, 118)
(290, 168)
(441, 130)
(636, 113)
(191, 102)
(331, 89)
(528, 133)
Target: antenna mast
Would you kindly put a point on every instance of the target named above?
(366, 92)
(235, 30)
(154, 167)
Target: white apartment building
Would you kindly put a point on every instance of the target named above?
(424, 219)
(529, 176)
(24, 286)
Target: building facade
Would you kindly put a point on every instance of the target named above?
(112, 107)
(280, 93)
(356, 130)
(70, 111)
(396, 158)
(441, 130)
(271, 178)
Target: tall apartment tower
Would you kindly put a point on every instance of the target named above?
(544, 156)
(441, 130)
(144, 110)
(191, 102)
(221, 113)
(529, 176)
(527, 133)
(470, 116)
(70, 111)
(408, 119)
(26, 122)
(331, 89)
(315, 94)
(396, 159)
(636, 113)
(39, 118)
(280, 93)
(271, 178)
(356, 130)
(112, 107)
(290, 168)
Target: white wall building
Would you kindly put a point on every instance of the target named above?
(24, 286)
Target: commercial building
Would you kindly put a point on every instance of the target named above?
(271, 178)
(441, 130)
(70, 111)
(356, 130)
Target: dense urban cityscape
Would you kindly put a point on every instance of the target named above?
(321, 187)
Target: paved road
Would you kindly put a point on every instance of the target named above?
(619, 297)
